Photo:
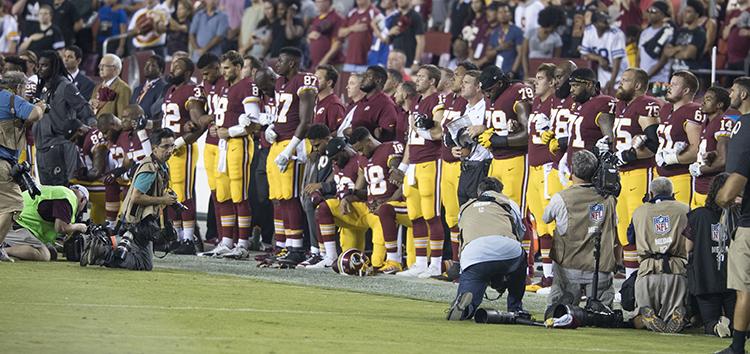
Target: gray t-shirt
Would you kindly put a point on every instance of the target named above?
(542, 48)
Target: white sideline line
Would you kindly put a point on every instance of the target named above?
(173, 308)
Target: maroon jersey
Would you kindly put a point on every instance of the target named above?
(214, 104)
(539, 152)
(127, 144)
(377, 171)
(502, 110)
(175, 106)
(92, 139)
(421, 149)
(455, 106)
(328, 26)
(562, 116)
(377, 111)
(584, 129)
(287, 102)
(358, 43)
(237, 96)
(719, 128)
(346, 177)
(672, 129)
(330, 112)
(627, 126)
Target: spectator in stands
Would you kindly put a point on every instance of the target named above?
(460, 50)
(112, 95)
(527, 13)
(486, 52)
(358, 33)
(710, 27)
(150, 25)
(45, 35)
(407, 34)
(208, 30)
(460, 16)
(250, 21)
(543, 42)
(149, 94)
(9, 35)
(179, 27)
(571, 30)
(111, 23)
(688, 41)
(737, 32)
(72, 56)
(325, 46)
(397, 61)
(652, 41)
(286, 30)
(605, 46)
(233, 9)
(510, 41)
(394, 80)
(27, 14)
(66, 17)
(474, 32)
(57, 157)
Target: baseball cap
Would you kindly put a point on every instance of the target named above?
(335, 146)
(661, 7)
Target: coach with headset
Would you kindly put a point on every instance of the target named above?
(491, 253)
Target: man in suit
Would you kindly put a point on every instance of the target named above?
(72, 56)
(148, 95)
(112, 95)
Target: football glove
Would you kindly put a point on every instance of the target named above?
(484, 138)
(270, 134)
(542, 123)
(547, 136)
(554, 146)
(695, 169)
(603, 145)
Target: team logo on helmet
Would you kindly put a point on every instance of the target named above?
(596, 212)
(353, 262)
(661, 224)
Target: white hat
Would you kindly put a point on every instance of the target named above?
(81, 189)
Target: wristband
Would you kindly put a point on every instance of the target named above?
(180, 142)
(403, 167)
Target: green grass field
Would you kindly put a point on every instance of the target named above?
(61, 308)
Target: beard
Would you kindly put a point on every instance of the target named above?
(367, 88)
(564, 90)
(174, 80)
(583, 97)
(624, 95)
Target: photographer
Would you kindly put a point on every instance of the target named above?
(578, 212)
(491, 253)
(15, 114)
(57, 156)
(661, 285)
(141, 213)
(43, 218)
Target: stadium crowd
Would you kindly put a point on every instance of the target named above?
(331, 129)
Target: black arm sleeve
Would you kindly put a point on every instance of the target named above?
(563, 143)
(497, 141)
(652, 140)
(328, 188)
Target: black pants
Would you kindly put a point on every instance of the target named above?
(136, 258)
(57, 164)
(500, 275)
(259, 203)
(472, 173)
(714, 305)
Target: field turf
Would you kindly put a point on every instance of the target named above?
(59, 307)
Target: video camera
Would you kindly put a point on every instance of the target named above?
(20, 173)
(606, 179)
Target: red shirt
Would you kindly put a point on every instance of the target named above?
(421, 149)
(455, 106)
(214, 105)
(358, 43)
(330, 112)
(175, 107)
(627, 126)
(377, 171)
(328, 26)
(738, 49)
(672, 129)
(346, 177)
(287, 101)
(584, 129)
(377, 111)
(539, 153)
(243, 92)
(502, 110)
(720, 127)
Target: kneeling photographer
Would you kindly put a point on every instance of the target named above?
(141, 219)
(15, 115)
(491, 252)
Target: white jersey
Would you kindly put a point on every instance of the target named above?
(527, 15)
(610, 45)
(647, 62)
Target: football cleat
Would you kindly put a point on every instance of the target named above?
(390, 267)
(651, 321)
(433, 270)
(323, 264)
(312, 260)
(186, 247)
(414, 271)
(238, 253)
(293, 257)
(721, 329)
(218, 251)
(456, 311)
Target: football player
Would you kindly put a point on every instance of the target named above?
(712, 151)
(540, 158)
(636, 142)
(184, 114)
(384, 199)
(455, 106)
(679, 134)
(423, 169)
(94, 152)
(242, 100)
(295, 104)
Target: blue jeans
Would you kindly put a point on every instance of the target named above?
(508, 274)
